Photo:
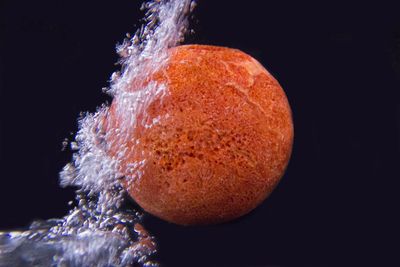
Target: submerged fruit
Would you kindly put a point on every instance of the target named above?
(210, 148)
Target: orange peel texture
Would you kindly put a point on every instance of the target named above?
(221, 142)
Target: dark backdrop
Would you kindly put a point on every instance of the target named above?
(339, 64)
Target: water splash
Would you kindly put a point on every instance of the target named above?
(100, 230)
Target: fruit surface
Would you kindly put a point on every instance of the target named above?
(214, 145)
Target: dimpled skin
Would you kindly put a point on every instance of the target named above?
(222, 141)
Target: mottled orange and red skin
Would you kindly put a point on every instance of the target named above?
(224, 145)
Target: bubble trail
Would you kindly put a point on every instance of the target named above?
(100, 230)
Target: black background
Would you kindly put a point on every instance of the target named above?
(339, 64)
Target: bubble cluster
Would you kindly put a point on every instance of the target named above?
(101, 230)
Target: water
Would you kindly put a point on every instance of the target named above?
(101, 230)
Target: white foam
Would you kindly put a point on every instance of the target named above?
(99, 231)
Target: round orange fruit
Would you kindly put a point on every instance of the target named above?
(212, 145)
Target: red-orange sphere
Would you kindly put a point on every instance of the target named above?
(215, 145)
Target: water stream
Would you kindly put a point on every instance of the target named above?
(101, 229)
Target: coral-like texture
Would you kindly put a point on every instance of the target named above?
(212, 148)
